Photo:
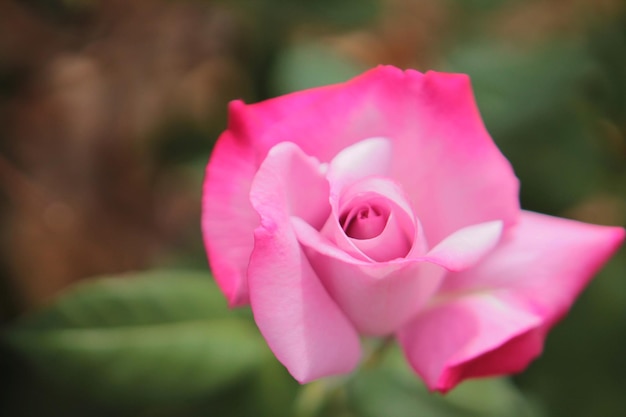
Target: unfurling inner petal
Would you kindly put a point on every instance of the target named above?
(365, 221)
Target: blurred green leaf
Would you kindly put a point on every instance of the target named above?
(311, 64)
(151, 338)
(514, 87)
(393, 389)
(328, 12)
(533, 104)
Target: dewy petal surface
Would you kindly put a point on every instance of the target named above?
(529, 281)
(303, 326)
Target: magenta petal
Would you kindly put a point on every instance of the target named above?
(460, 330)
(228, 219)
(303, 326)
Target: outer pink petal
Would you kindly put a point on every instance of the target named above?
(534, 274)
(544, 262)
(228, 219)
(445, 158)
(456, 332)
(303, 326)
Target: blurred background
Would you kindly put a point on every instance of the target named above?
(108, 113)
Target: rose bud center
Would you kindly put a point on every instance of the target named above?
(376, 226)
(365, 222)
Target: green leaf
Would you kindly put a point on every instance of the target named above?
(311, 64)
(515, 88)
(393, 389)
(152, 338)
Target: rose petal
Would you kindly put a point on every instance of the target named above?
(442, 156)
(392, 243)
(460, 330)
(508, 301)
(377, 297)
(544, 261)
(228, 219)
(303, 326)
(367, 158)
(463, 248)
(403, 233)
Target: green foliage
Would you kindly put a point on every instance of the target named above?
(306, 65)
(156, 338)
(329, 12)
(395, 390)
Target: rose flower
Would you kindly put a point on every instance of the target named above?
(381, 207)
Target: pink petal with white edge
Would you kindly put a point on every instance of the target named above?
(303, 326)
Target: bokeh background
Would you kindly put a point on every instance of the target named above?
(108, 113)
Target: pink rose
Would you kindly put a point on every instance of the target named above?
(382, 207)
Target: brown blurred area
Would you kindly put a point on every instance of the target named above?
(83, 191)
(89, 89)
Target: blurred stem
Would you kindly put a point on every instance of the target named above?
(314, 396)
(378, 354)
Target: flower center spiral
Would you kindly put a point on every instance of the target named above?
(365, 221)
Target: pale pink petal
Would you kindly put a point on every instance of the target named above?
(459, 330)
(544, 262)
(463, 248)
(378, 297)
(367, 158)
(303, 326)
(302, 186)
